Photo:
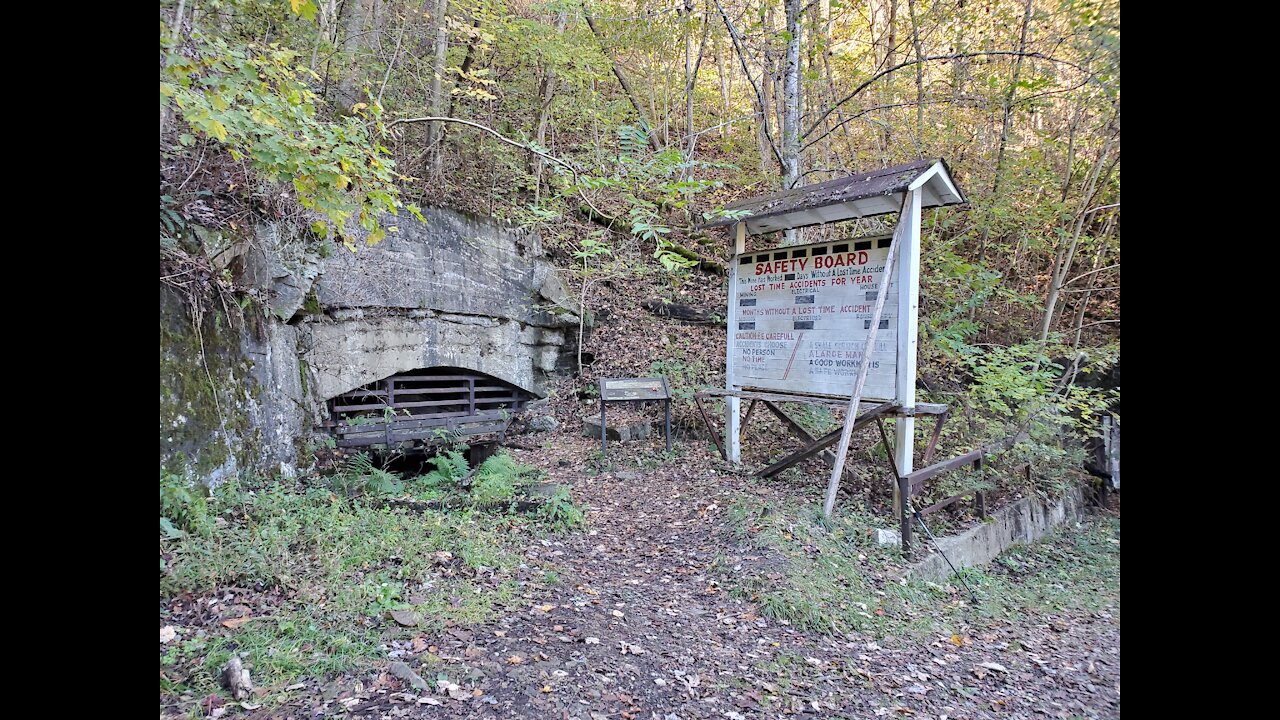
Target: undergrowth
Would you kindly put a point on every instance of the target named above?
(306, 573)
(830, 576)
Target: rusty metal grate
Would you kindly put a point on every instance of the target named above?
(432, 405)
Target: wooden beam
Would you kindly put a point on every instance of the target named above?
(908, 328)
(804, 435)
(842, 452)
(732, 430)
(824, 442)
(917, 478)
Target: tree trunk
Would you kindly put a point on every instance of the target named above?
(919, 48)
(1066, 258)
(348, 93)
(1006, 109)
(546, 93)
(468, 60)
(1006, 106)
(791, 176)
(174, 34)
(435, 130)
(626, 86)
(890, 59)
(1093, 280)
(761, 101)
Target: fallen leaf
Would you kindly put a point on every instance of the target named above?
(957, 640)
(592, 641)
(546, 608)
(429, 701)
(234, 623)
(168, 634)
(407, 618)
(515, 659)
(993, 666)
(546, 688)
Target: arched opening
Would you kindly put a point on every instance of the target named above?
(427, 406)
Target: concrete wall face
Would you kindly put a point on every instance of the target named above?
(458, 291)
(1020, 523)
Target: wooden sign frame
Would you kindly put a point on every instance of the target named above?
(662, 392)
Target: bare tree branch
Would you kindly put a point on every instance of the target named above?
(909, 63)
(742, 59)
(528, 148)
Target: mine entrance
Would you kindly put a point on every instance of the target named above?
(424, 407)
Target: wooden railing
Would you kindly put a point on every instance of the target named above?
(912, 484)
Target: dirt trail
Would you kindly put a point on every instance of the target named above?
(635, 625)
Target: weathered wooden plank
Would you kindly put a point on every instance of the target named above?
(402, 391)
(357, 394)
(842, 452)
(783, 397)
(945, 503)
(433, 378)
(823, 442)
(715, 434)
(732, 405)
(358, 408)
(918, 478)
(796, 428)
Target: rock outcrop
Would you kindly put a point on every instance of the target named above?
(457, 291)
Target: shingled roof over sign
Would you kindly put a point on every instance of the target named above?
(858, 195)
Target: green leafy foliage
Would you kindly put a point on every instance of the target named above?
(559, 512)
(498, 479)
(830, 576)
(253, 100)
(184, 507)
(342, 563)
(451, 466)
(361, 476)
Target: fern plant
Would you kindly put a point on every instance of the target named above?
(361, 476)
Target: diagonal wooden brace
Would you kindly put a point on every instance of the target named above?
(824, 442)
(796, 428)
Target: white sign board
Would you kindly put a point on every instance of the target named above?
(803, 315)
